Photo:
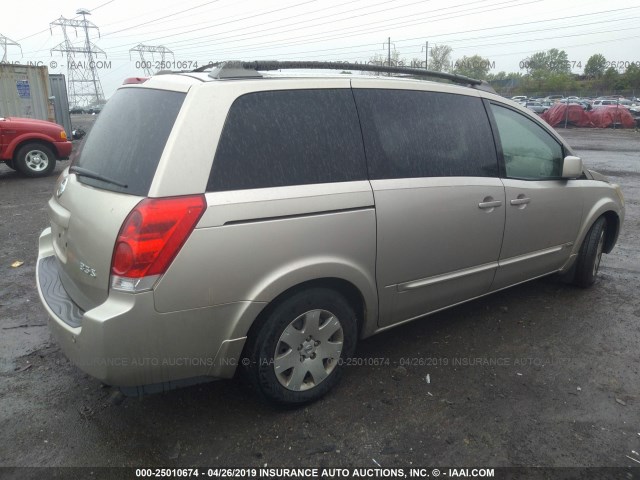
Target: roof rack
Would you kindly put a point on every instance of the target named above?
(239, 69)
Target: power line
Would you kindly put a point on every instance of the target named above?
(422, 45)
(376, 29)
(547, 38)
(209, 24)
(539, 30)
(102, 5)
(161, 18)
(231, 21)
(74, 18)
(262, 29)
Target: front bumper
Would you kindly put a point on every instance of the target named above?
(125, 342)
(63, 149)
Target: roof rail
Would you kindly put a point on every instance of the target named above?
(239, 69)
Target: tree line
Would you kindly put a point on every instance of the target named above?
(547, 71)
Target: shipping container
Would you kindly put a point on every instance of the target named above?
(25, 92)
(58, 87)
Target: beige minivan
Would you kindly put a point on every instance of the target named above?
(239, 220)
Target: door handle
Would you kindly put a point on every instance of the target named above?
(492, 204)
(520, 201)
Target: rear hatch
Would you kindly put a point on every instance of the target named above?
(114, 170)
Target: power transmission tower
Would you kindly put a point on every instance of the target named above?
(147, 65)
(84, 83)
(6, 42)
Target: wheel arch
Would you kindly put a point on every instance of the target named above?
(35, 140)
(612, 231)
(611, 211)
(347, 289)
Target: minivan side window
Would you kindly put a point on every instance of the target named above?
(289, 137)
(530, 153)
(411, 134)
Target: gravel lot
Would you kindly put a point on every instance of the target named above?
(543, 374)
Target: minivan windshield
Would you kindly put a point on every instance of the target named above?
(127, 140)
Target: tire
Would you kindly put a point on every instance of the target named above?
(35, 160)
(291, 359)
(9, 163)
(588, 262)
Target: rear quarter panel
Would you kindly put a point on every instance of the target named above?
(254, 245)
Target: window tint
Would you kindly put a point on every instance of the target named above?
(529, 151)
(291, 137)
(425, 134)
(128, 138)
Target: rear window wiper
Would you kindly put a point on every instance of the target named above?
(95, 175)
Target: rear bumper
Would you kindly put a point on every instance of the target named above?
(63, 149)
(125, 342)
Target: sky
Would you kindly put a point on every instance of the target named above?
(505, 32)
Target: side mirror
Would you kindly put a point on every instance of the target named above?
(571, 167)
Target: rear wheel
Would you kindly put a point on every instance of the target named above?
(295, 355)
(588, 262)
(35, 160)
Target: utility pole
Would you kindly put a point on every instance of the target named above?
(146, 65)
(426, 56)
(84, 82)
(6, 42)
(388, 44)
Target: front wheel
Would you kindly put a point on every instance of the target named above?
(35, 160)
(588, 262)
(296, 355)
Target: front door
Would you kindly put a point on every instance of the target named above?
(543, 211)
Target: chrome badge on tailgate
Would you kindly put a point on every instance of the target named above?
(84, 268)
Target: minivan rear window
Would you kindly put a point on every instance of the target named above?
(127, 139)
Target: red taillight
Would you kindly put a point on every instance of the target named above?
(153, 234)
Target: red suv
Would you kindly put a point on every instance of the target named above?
(32, 146)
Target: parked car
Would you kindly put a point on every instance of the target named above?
(519, 98)
(554, 98)
(584, 104)
(601, 102)
(536, 107)
(635, 110)
(240, 220)
(76, 110)
(626, 103)
(32, 146)
(95, 109)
